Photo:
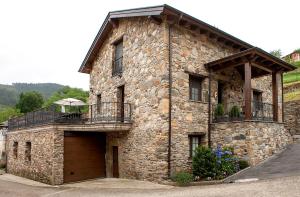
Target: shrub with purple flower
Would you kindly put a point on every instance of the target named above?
(217, 164)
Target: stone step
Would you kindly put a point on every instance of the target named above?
(296, 138)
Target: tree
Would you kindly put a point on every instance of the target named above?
(68, 92)
(30, 101)
(276, 53)
(8, 113)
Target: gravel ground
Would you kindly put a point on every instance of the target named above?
(287, 186)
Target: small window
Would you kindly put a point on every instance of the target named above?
(195, 88)
(118, 58)
(195, 141)
(15, 150)
(28, 152)
(99, 103)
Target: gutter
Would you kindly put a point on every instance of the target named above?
(209, 108)
(170, 102)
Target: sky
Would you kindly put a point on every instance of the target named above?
(45, 41)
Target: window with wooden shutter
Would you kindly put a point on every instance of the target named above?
(118, 59)
(195, 84)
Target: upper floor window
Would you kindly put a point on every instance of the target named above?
(195, 88)
(118, 58)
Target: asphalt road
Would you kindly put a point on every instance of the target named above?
(286, 163)
(287, 186)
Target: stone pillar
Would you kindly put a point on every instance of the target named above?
(247, 91)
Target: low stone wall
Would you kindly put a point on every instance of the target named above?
(46, 163)
(252, 141)
(291, 88)
(292, 117)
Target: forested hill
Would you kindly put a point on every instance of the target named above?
(9, 93)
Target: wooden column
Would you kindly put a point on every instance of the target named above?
(275, 96)
(248, 91)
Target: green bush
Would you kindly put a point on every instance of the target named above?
(182, 178)
(219, 111)
(216, 164)
(243, 164)
(204, 162)
(235, 112)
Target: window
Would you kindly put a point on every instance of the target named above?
(195, 88)
(15, 150)
(99, 103)
(118, 58)
(195, 141)
(28, 152)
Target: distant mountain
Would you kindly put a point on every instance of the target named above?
(9, 93)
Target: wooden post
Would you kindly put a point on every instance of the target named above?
(247, 91)
(275, 96)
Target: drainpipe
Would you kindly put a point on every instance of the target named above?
(209, 109)
(170, 102)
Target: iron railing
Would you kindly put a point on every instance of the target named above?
(110, 112)
(235, 111)
(106, 112)
(117, 68)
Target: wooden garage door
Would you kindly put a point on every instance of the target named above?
(84, 156)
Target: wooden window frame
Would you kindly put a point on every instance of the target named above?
(116, 72)
(191, 143)
(192, 84)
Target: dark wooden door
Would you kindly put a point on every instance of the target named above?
(115, 162)
(120, 100)
(84, 156)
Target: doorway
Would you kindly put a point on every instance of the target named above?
(115, 162)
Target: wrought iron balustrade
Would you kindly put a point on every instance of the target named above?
(110, 112)
(106, 112)
(235, 111)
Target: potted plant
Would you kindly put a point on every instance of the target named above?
(235, 113)
(219, 112)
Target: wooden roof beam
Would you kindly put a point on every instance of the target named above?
(155, 19)
(261, 67)
(114, 22)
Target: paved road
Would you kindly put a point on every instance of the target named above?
(287, 163)
(279, 176)
(287, 186)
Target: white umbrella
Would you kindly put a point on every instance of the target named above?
(70, 102)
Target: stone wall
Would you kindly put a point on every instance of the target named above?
(46, 163)
(291, 87)
(252, 141)
(190, 51)
(292, 116)
(143, 150)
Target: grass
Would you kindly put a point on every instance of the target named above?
(291, 77)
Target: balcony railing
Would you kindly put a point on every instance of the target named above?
(108, 112)
(235, 111)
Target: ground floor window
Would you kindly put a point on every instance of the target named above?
(28, 152)
(15, 150)
(195, 141)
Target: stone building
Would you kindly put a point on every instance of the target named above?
(161, 83)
